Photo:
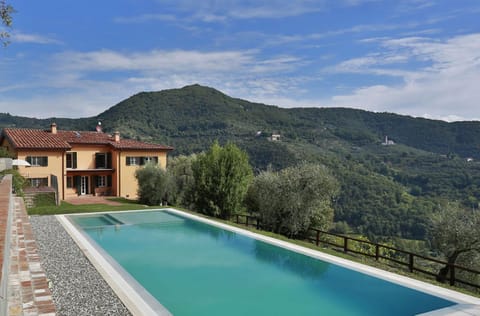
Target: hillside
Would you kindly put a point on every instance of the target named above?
(386, 190)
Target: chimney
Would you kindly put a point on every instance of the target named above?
(53, 128)
(116, 136)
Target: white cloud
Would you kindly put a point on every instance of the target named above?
(446, 86)
(146, 18)
(221, 11)
(156, 60)
(19, 37)
(241, 9)
(59, 105)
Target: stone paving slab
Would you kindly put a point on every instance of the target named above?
(90, 199)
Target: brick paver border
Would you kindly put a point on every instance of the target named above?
(28, 288)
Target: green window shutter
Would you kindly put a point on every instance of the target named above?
(109, 181)
(155, 159)
(76, 181)
(44, 161)
(98, 162)
(29, 159)
(128, 161)
(95, 181)
(74, 160)
(142, 160)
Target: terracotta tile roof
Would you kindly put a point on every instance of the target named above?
(44, 139)
(34, 139)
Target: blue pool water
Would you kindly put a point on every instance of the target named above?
(193, 268)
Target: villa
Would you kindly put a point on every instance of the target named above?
(81, 162)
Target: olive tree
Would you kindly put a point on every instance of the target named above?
(155, 185)
(295, 199)
(455, 233)
(180, 168)
(221, 179)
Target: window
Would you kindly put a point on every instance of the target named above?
(38, 182)
(101, 181)
(37, 161)
(140, 161)
(151, 159)
(69, 182)
(103, 161)
(72, 160)
(133, 161)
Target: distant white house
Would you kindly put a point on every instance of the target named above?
(388, 142)
(274, 138)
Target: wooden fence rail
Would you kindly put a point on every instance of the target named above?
(317, 237)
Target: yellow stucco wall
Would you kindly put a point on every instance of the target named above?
(86, 155)
(86, 161)
(55, 163)
(126, 174)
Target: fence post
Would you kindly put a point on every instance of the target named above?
(452, 274)
(410, 262)
(345, 244)
(318, 237)
(377, 252)
(246, 223)
(237, 218)
(258, 226)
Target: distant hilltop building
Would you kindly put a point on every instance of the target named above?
(274, 138)
(388, 142)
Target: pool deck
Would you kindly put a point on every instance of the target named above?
(91, 199)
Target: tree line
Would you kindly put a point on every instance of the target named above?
(220, 183)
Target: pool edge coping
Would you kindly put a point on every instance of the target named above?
(137, 300)
(459, 298)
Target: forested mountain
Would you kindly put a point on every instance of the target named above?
(386, 190)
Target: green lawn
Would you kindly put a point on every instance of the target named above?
(67, 208)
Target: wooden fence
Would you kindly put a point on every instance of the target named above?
(411, 261)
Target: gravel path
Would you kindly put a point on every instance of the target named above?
(77, 287)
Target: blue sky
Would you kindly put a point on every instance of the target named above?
(78, 58)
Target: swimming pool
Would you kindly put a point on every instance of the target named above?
(195, 268)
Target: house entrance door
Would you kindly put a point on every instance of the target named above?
(84, 185)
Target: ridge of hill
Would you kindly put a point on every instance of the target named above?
(386, 190)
